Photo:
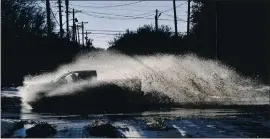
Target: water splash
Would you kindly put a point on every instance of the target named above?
(183, 78)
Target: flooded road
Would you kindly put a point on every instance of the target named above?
(180, 122)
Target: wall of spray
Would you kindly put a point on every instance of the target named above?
(184, 78)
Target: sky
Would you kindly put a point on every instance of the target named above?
(107, 18)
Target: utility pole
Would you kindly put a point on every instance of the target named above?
(76, 39)
(175, 19)
(83, 31)
(217, 29)
(67, 18)
(86, 38)
(60, 18)
(82, 35)
(48, 17)
(73, 27)
(156, 19)
(78, 33)
(188, 18)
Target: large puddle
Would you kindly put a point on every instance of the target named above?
(179, 122)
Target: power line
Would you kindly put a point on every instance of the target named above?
(128, 16)
(172, 15)
(131, 9)
(168, 15)
(105, 30)
(178, 19)
(126, 9)
(103, 33)
(148, 13)
(108, 6)
(113, 18)
(99, 36)
(172, 8)
(108, 17)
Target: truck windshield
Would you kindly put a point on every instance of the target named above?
(62, 77)
(81, 75)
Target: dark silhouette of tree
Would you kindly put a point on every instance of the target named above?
(236, 31)
(203, 33)
(23, 18)
(146, 40)
(26, 48)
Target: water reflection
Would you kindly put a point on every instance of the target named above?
(194, 112)
(181, 112)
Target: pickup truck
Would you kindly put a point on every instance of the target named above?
(112, 95)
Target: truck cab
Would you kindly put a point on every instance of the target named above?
(75, 76)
